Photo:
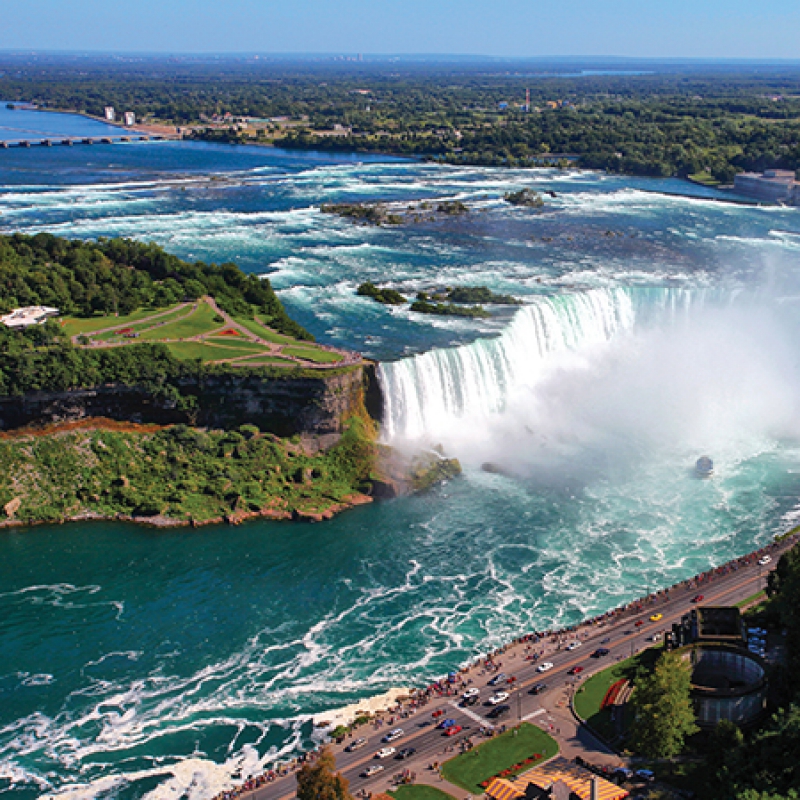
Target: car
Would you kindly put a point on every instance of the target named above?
(438, 713)
(473, 692)
(392, 735)
(656, 617)
(600, 652)
(624, 773)
(453, 731)
(537, 688)
(471, 701)
(385, 752)
(544, 666)
(574, 645)
(639, 623)
(606, 640)
(575, 671)
(446, 723)
(698, 598)
(645, 774)
(499, 678)
(656, 637)
(498, 711)
(406, 752)
(764, 560)
(355, 745)
(372, 769)
(498, 698)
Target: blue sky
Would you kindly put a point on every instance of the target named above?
(762, 29)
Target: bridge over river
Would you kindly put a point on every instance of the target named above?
(69, 141)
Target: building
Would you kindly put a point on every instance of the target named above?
(130, 119)
(774, 185)
(728, 681)
(30, 315)
(109, 113)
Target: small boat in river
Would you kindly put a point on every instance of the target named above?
(704, 467)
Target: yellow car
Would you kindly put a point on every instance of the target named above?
(656, 617)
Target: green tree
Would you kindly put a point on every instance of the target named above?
(663, 708)
(318, 780)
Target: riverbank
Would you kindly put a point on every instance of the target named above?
(519, 659)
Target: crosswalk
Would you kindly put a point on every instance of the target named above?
(472, 715)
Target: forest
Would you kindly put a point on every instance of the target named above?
(648, 119)
(107, 277)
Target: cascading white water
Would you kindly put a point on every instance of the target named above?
(424, 393)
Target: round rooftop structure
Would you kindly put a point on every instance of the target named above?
(727, 683)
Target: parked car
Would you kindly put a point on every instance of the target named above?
(355, 744)
(575, 671)
(385, 752)
(499, 678)
(446, 723)
(600, 652)
(764, 560)
(574, 645)
(537, 688)
(624, 773)
(453, 731)
(406, 752)
(392, 735)
(498, 698)
(645, 774)
(498, 711)
(372, 769)
(544, 666)
(656, 617)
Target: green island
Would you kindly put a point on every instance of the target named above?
(175, 393)
(448, 302)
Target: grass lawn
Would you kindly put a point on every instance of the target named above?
(256, 327)
(483, 762)
(420, 792)
(75, 325)
(314, 354)
(265, 362)
(145, 328)
(208, 352)
(591, 694)
(705, 178)
(753, 597)
(201, 321)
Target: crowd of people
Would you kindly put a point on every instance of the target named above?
(534, 645)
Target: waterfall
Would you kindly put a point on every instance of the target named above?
(422, 393)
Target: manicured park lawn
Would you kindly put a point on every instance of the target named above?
(210, 352)
(254, 326)
(483, 762)
(591, 694)
(74, 325)
(201, 321)
(314, 354)
(419, 792)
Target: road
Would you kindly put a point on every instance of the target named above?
(549, 709)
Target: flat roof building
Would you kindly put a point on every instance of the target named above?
(775, 185)
(30, 315)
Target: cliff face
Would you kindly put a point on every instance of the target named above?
(317, 406)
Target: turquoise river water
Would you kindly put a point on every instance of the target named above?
(656, 328)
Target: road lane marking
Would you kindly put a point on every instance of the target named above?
(537, 713)
(472, 715)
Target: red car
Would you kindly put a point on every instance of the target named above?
(698, 598)
(453, 730)
(437, 713)
(639, 623)
(575, 671)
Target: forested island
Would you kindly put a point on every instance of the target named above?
(173, 393)
(702, 120)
